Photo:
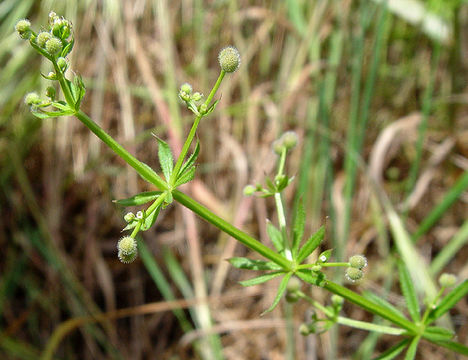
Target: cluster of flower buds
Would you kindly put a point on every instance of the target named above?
(186, 94)
(287, 141)
(356, 264)
(56, 42)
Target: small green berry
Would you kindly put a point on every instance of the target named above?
(358, 261)
(447, 280)
(292, 297)
(229, 59)
(277, 146)
(127, 247)
(42, 38)
(249, 190)
(203, 109)
(353, 274)
(54, 46)
(32, 99)
(197, 96)
(23, 28)
(316, 267)
(289, 139)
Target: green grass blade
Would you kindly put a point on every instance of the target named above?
(407, 288)
(161, 282)
(438, 211)
(449, 251)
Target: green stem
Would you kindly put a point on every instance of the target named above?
(370, 306)
(64, 85)
(156, 204)
(193, 130)
(231, 230)
(144, 170)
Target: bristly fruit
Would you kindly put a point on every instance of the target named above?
(127, 247)
(358, 261)
(229, 59)
(23, 28)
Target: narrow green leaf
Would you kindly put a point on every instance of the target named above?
(436, 333)
(279, 294)
(311, 244)
(412, 348)
(261, 279)
(151, 219)
(311, 277)
(299, 224)
(165, 158)
(382, 302)
(394, 351)
(406, 285)
(454, 346)
(270, 185)
(131, 225)
(186, 177)
(191, 160)
(249, 264)
(275, 236)
(325, 255)
(139, 199)
(152, 171)
(450, 300)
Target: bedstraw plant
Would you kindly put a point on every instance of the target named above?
(291, 257)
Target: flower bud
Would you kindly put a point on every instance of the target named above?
(203, 109)
(62, 64)
(447, 280)
(127, 247)
(353, 274)
(139, 215)
(337, 300)
(249, 190)
(32, 99)
(42, 38)
(197, 96)
(129, 217)
(229, 59)
(358, 261)
(23, 28)
(54, 46)
(187, 88)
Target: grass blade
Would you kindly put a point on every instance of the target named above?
(261, 279)
(450, 300)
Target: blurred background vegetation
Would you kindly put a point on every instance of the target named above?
(377, 91)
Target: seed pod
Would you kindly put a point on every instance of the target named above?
(54, 46)
(358, 261)
(23, 28)
(32, 99)
(42, 38)
(447, 280)
(127, 247)
(353, 274)
(229, 59)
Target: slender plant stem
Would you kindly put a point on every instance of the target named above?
(369, 326)
(193, 130)
(231, 230)
(156, 204)
(142, 169)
